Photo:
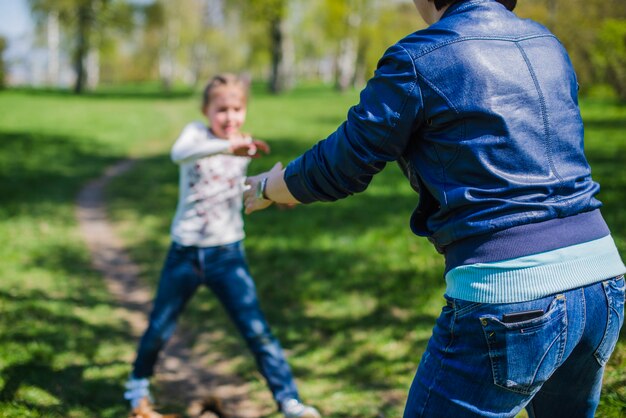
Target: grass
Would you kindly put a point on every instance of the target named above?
(63, 350)
(350, 292)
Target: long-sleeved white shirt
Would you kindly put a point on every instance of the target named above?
(211, 184)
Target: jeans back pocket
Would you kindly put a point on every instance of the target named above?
(525, 354)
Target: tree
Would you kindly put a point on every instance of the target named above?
(273, 14)
(577, 24)
(3, 45)
(87, 22)
(610, 55)
(343, 24)
(53, 37)
(357, 32)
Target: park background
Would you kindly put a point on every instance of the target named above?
(350, 292)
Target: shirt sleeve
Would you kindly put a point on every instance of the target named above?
(194, 143)
(376, 131)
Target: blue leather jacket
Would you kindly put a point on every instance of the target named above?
(481, 111)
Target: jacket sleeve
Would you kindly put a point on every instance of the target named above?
(375, 132)
(193, 143)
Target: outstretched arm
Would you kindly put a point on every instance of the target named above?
(192, 144)
(376, 131)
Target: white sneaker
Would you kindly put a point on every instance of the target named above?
(136, 390)
(293, 408)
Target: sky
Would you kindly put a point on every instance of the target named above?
(22, 64)
(15, 18)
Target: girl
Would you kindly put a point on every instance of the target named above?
(207, 249)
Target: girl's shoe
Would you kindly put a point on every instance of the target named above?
(144, 410)
(293, 408)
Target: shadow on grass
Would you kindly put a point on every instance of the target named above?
(67, 386)
(54, 356)
(59, 349)
(37, 169)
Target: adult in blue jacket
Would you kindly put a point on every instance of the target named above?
(481, 111)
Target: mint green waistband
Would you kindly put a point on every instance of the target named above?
(538, 275)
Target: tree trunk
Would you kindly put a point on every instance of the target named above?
(345, 75)
(282, 76)
(53, 41)
(346, 64)
(167, 58)
(82, 47)
(3, 45)
(93, 68)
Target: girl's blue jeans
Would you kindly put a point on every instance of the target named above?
(225, 271)
(481, 364)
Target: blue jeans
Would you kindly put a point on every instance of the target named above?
(481, 361)
(224, 270)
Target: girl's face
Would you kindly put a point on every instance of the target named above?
(226, 111)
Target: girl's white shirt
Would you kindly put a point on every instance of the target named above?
(211, 184)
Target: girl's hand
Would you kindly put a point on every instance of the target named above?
(247, 148)
(260, 146)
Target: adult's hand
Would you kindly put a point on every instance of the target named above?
(251, 198)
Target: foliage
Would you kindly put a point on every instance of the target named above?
(87, 22)
(392, 23)
(273, 15)
(289, 41)
(189, 40)
(577, 23)
(610, 54)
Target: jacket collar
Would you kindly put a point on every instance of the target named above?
(461, 6)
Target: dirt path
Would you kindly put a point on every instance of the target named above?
(185, 377)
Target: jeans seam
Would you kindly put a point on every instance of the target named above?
(566, 332)
(596, 353)
(436, 380)
(609, 322)
(201, 263)
(584, 308)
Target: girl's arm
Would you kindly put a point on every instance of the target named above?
(192, 144)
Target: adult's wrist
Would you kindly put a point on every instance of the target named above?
(261, 189)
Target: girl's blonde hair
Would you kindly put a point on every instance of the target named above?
(225, 79)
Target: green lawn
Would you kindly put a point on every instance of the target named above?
(351, 293)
